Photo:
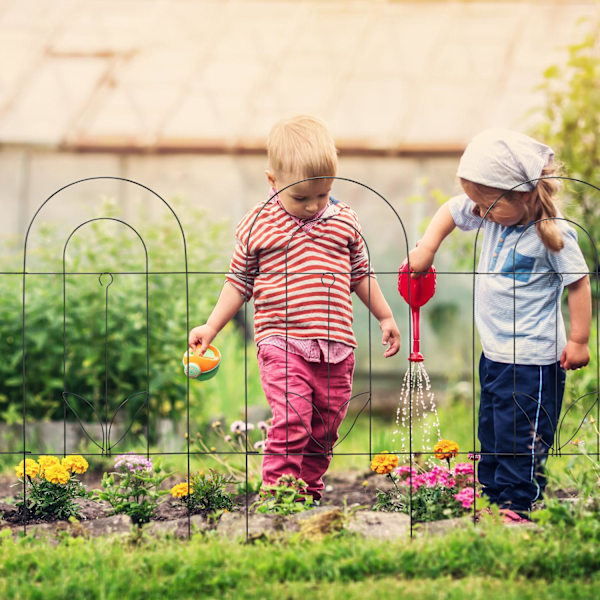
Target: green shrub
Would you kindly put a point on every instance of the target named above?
(142, 344)
(205, 492)
(286, 497)
(133, 488)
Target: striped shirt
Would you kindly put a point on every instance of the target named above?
(300, 277)
(519, 286)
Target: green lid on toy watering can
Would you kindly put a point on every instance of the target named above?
(202, 367)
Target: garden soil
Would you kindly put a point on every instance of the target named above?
(343, 491)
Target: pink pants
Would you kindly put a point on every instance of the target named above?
(305, 427)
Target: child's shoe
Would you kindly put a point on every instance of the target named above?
(511, 517)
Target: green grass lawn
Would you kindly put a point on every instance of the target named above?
(560, 559)
(489, 561)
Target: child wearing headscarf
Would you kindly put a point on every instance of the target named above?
(529, 254)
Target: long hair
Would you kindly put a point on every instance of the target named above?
(545, 206)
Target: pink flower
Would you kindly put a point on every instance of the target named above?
(464, 474)
(133, 463)
(404, 473)
(439, 476)
(473, 457)
(466, 497)
(463, 469)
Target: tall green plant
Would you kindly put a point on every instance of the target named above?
(570, 123)
(133, 327)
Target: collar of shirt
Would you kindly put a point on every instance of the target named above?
(306, 224)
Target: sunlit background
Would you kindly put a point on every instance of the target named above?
(179, 96)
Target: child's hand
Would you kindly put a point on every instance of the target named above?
(391, 336)
(201, 337)
(420, 260)
(574, 355)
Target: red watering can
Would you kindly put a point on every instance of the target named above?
(416, 291)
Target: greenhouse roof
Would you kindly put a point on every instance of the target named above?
(213, 75)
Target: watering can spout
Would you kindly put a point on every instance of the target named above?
(416, 291)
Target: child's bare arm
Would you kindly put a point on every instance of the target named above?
(577, 353)
(228, 304)
(373, 299)
(421, 257)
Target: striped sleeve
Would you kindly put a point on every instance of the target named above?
(359, 258)
(243, 267)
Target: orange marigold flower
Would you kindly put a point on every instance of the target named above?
(181, 489)
(384, 463)
(445, 449)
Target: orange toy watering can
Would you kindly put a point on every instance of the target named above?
(203, 366)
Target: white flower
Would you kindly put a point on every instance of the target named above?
(260, 445)
(237, 427)
(249, 426)
(228, 438)
(262, 425)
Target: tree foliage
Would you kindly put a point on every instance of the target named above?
(570, 123)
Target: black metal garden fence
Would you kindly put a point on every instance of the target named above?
(113, 423)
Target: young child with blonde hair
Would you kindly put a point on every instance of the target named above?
(299, 256)
(529, 254)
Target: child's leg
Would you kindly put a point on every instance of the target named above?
(285, 377)
(332, 392)
(525, 423)
(488, 463)
(551, 390)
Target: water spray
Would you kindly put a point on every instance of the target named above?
(416, 291)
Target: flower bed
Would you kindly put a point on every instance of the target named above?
(48, 489)
(345, 490)
(440, 492)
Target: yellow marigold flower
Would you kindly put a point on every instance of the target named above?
(57, 474)
(384, 463)
(75, 463)
(31, 468)
(181, 489)
(46, 461)
(445, 449)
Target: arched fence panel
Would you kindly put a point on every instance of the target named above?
(106, 304)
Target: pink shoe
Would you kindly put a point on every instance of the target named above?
(511, 517)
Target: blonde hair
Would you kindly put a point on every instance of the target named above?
(544, 207)
(302, 146)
